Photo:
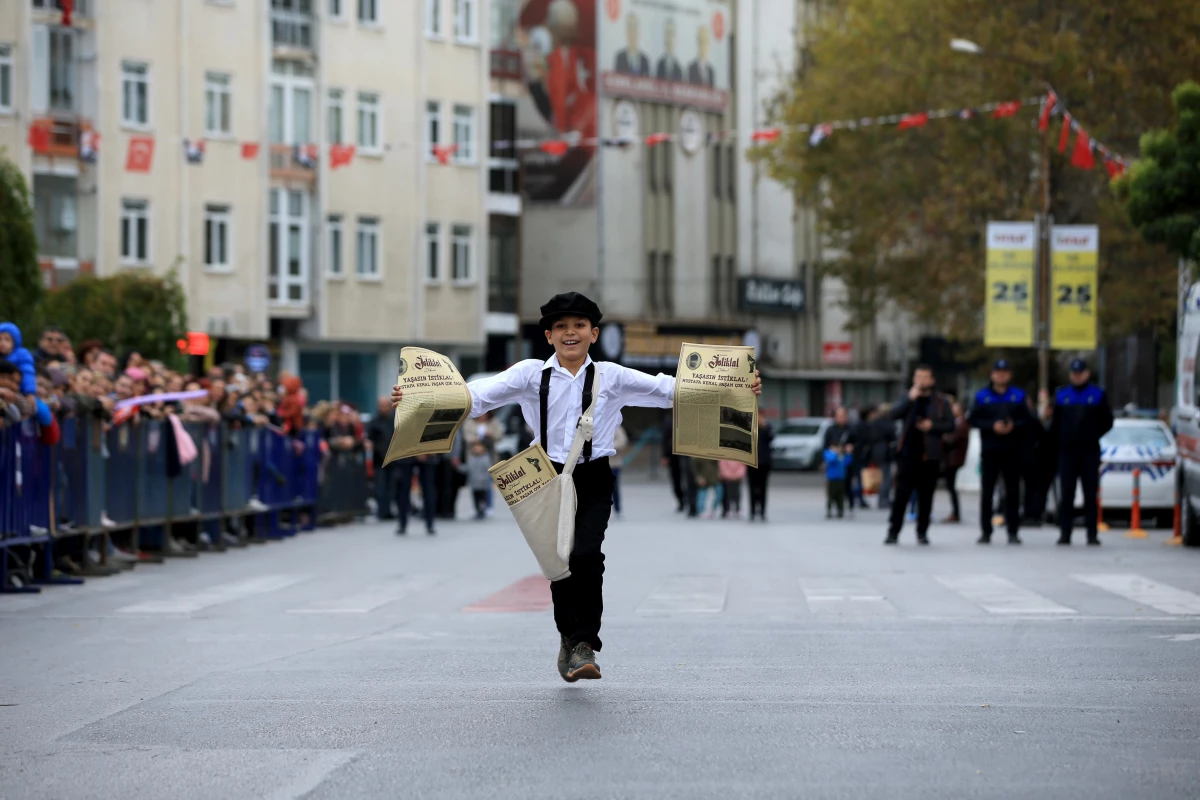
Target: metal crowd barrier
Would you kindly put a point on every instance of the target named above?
(126, 484)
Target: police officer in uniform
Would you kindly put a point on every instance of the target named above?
(1081, 416)
(1000, 414)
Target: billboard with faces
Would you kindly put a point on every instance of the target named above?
(667, 51)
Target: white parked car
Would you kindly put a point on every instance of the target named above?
(798, 443)
(1148, 445)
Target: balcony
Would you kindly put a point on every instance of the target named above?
(506, 64)
(291, 171)
(53, 8)
(61, 137)
(293, 29)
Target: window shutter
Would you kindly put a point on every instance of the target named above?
(39, 73)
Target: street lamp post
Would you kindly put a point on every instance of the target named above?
(1042, 222)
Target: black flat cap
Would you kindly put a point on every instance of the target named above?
(572, 303)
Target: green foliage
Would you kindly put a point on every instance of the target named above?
(1161, 191)
(128, 311)
(20, 279)
(903, 213)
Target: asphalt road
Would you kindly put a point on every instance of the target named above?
(795, 659)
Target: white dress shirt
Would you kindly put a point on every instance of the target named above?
(619, 387)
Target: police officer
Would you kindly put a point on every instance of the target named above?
(1081, 416)
(1000, 414)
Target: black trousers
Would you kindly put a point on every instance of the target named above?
(920, 477)
(1085, 467)
(995, 465)
(757, 478)
(579, 598)
(427, 477)
(951, 476)
(677, 481)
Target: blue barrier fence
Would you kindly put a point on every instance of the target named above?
(127, 484)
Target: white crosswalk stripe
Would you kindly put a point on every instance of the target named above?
(997, 595)
(687, 594)
(844, 595)
(371, 597)
(1145, 591)
(214, 595)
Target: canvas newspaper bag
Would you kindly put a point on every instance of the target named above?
(543, 503)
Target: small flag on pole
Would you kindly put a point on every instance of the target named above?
(340, 155)
(1082, 156)
(442, 152)
(913, 120)
(193, 149)
(1065, 136)
(765, 135)
(249, 150)
(819, 134)
(1006, 109)
(1049, 105)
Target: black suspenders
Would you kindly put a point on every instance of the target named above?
(544, 396)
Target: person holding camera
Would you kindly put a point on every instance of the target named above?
(1000, 414)
(927, 417)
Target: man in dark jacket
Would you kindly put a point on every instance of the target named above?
(379, 433)
(927, 417)
(1000, 414)
(1081, 416)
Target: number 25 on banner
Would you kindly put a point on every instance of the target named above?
(1010, 260)
(1074, 251)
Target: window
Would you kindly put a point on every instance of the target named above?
(368, 12)
(6, 73)
(503, 29)
(62, 69)
(433, 18)
(337, 9)
(217, 104)
(433, 235)
(333, 227)
(369, 123)
(55, 215)
(367, 265)
(216, 237)
(464, 21)
(335, 111)
(503, 167)
(464, 134)
(135, 94)
(460, 252)
(135, 232)
(288, 258)
(433, 126)
(290, 112)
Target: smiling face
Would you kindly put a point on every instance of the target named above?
(571, 337)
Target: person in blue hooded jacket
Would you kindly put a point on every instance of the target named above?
(11, 350)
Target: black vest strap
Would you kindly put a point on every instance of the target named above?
(544, 397)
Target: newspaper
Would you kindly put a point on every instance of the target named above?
(716, 413)
(523, 474)
(435, 403)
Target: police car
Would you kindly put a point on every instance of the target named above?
(1187, 416)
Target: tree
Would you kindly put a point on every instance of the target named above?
(1162, 190)
(903, 212)
(20, 279)
(128, 311)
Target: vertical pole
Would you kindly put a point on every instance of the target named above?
(1135, 514)
(1043, 280)
(1101, 525)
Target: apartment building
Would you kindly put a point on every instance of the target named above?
(312, 170)
(813, 361)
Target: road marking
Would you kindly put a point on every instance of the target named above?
(214, 595)
(1145, 591)
(844, 595)
(527, 594)
(687, 594)
(997, 595)
(372, 597)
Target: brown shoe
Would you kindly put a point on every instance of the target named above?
(582, 664)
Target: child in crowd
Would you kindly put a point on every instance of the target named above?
(732, 474)
(836, 462)
(12, 351)
(478, 479)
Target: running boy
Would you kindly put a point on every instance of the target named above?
(553, 395)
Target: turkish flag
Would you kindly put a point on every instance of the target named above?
(1082, 156)
(39, 137)
(914, 120)
(655, 138)
(340, 155)
(555, 147)
(68, 7)
(443, 152)
(765, 135)
(1115, 168)
(1047, 109)
(249, 150)
(140, 155)
(1006, 109)
(1065, 135)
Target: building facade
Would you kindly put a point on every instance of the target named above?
(313, 171)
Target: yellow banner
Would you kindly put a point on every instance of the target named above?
(1011, 253)
(1074, 259)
